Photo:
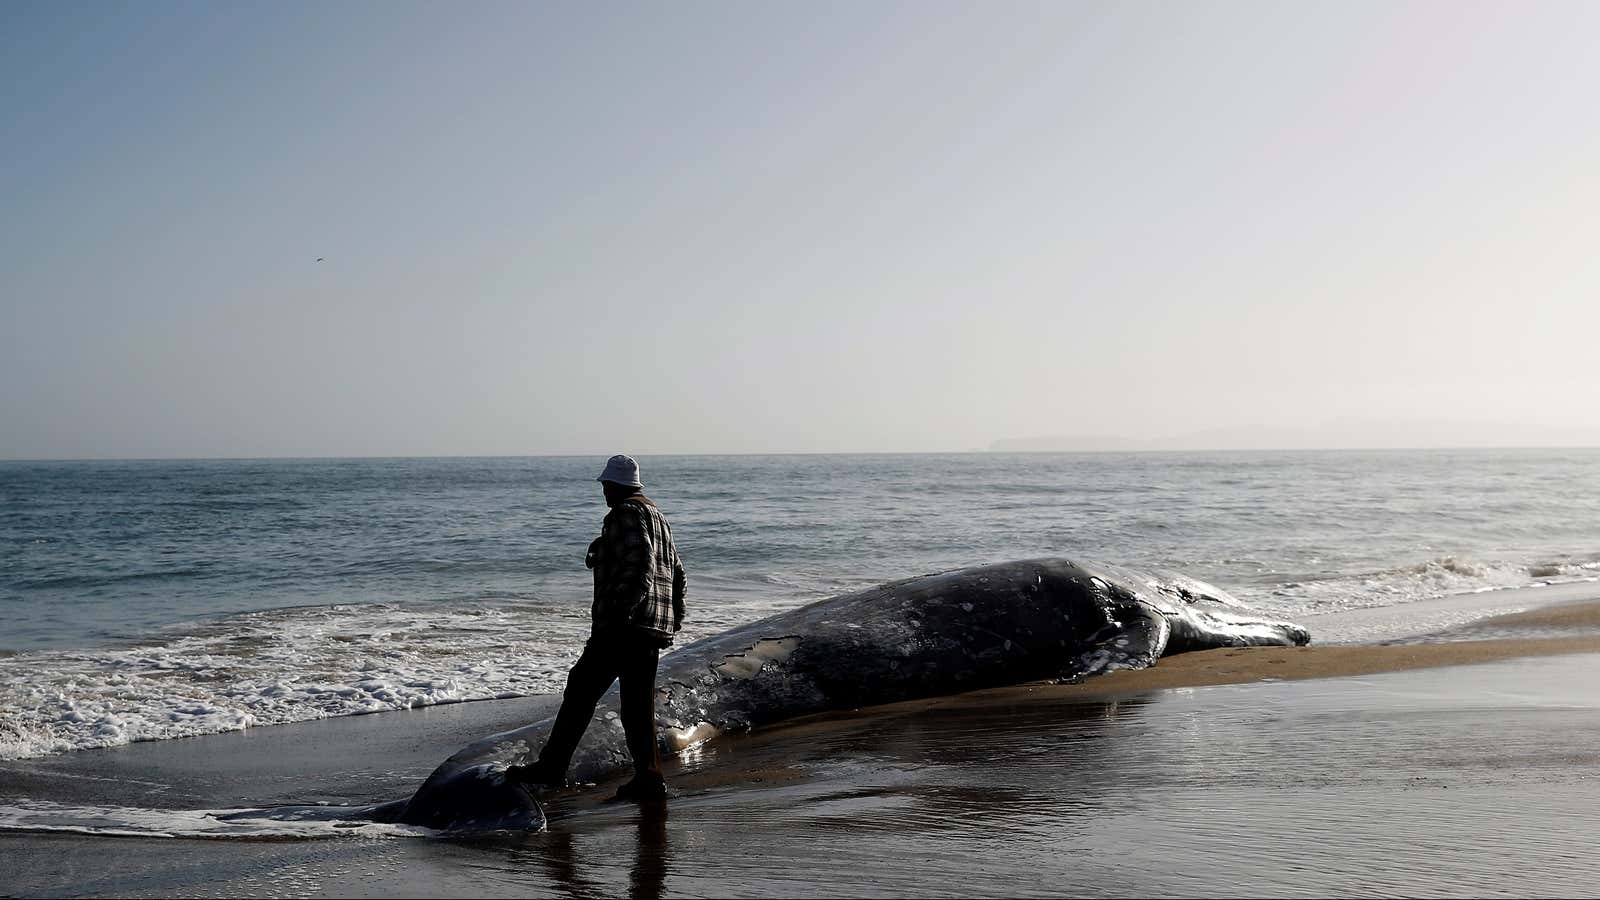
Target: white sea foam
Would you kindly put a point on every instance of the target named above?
(1433, 578)
(122, 821)
(298, 664)
(293, 665)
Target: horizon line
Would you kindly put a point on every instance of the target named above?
(971, 452)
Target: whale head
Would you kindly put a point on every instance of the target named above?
(474, 798)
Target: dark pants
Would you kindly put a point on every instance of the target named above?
(627, 655)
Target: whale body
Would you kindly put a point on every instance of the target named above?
(933, 635)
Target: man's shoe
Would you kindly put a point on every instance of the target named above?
(640, 790)
(536, 775)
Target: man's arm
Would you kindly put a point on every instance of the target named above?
(680, 587)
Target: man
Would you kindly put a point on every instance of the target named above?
(638, 605)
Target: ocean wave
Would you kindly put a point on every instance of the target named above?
(1565, 570)
(278, 667)
(311, 662)
(303, 663)
(1431, 578)
(58, 582)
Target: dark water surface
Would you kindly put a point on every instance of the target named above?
(1470, 781)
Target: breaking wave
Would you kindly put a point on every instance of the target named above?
(295, 665)
(1436, 577)
(303, 663)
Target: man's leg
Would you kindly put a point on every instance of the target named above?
(588, 681)
(637, 666)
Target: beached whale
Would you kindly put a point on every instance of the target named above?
(922, 637)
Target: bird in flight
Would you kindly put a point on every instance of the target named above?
(319, 259)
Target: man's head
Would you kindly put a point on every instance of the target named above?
(620, 480)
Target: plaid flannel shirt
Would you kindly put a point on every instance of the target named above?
(638, 578)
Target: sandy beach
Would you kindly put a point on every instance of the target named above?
(1461, 766)
(888, 387)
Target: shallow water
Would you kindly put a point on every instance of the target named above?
(1467, 781)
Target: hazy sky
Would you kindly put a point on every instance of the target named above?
(746, 227)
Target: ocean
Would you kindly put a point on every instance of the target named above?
(147, 600)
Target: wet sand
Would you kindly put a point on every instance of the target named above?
(1458, 768)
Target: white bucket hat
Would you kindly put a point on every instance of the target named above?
(621, 470)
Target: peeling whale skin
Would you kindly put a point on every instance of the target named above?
(928, 636)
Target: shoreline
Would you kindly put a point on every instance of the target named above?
(1563, 626)
(993, 784)
(1454, 781)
